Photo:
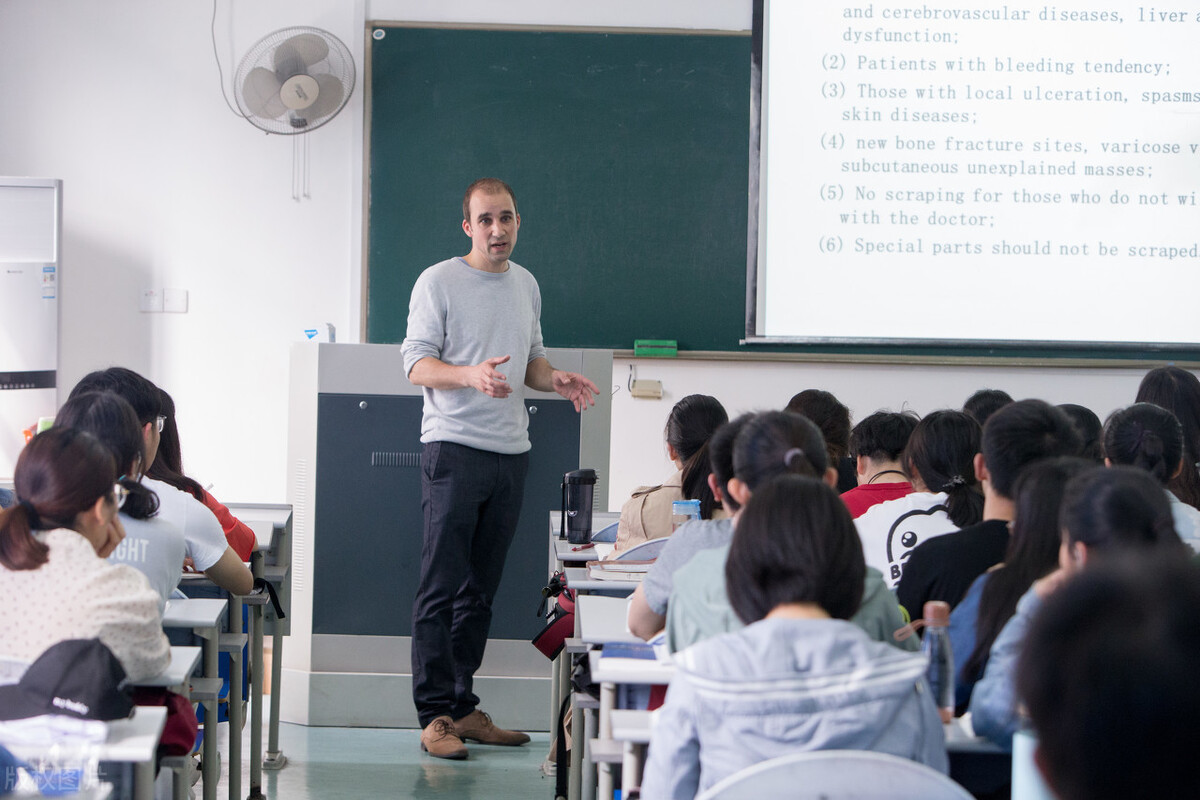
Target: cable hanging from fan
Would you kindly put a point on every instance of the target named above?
(291, 82)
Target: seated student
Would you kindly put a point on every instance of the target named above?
(152, 546)
(877, 447)
(832, 418)
(798, 677)
(1108, 675)
(1108, 514)
(770, 444)
(1032, 553)
(168, 468)
(1150, 438)
(1178, 391)
(54, 581)
(647, 514)
(939, 459)
(1088, 426)
(648, 605)
(981, 405)
(1014, 437)
(207, 548)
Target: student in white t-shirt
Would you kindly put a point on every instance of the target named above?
(151, 545)
(206, 545)
(939, 460)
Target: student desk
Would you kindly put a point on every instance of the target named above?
(634, 725)
(184, 660)
(579, 580)
(599, 620)
(272, 560)
(130, 741)
(203, 615)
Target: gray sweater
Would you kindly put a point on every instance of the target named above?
(462, 316)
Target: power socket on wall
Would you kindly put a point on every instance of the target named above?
(150, 301)
(156, 301)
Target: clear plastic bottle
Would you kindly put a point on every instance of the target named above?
(936, 648)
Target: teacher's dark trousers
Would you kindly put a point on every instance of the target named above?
(471, 501)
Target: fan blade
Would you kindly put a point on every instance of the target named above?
(297, 53)
(260, 90)
(329, 98)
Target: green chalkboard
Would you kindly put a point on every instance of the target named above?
(629, 155)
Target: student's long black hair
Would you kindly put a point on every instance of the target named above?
(1145, 436)
(690, 426)
(777, 442)
(168, 464)
(941, 451)
(1032, 550)
(109, 418)
(1178, 391)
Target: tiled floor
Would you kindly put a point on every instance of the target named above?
(363, 763)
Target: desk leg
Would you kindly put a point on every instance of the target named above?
(143, 780)
(211, 772)
(579, 744)
(588, 775)
(608, 698)
(275, 759)
(256, 695)
(631, 768)
(236, 664)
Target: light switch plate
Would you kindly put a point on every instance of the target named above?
(175, 301)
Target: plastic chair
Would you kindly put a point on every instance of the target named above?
(644, 551)
(837, 775)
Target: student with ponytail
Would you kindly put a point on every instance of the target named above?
(769, 444)
(1178, 391)
(152, 546)
(939, 460)
(1014, 437)
(168, 468)
(1106, 515)
(1149, 437)
(647, 514)
(54, 581)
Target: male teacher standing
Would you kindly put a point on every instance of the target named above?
(474, 342)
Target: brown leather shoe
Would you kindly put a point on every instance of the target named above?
(478, 727)
(440, 740)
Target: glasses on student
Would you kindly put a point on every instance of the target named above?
(120, 493)
(158, 422)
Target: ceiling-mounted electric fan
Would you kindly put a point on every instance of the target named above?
(294, 80)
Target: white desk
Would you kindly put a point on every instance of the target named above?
(561, 554)
(600, 620)
(272, 560)
(579, 580)
(634, 725)
(183, 663)
(203, 615)
(130, 741)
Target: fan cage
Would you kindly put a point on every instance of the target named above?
(337, 63)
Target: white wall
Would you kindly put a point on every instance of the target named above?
(165, 187)
(639, 456)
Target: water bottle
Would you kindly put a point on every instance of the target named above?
(936, 648)
(683, 512)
